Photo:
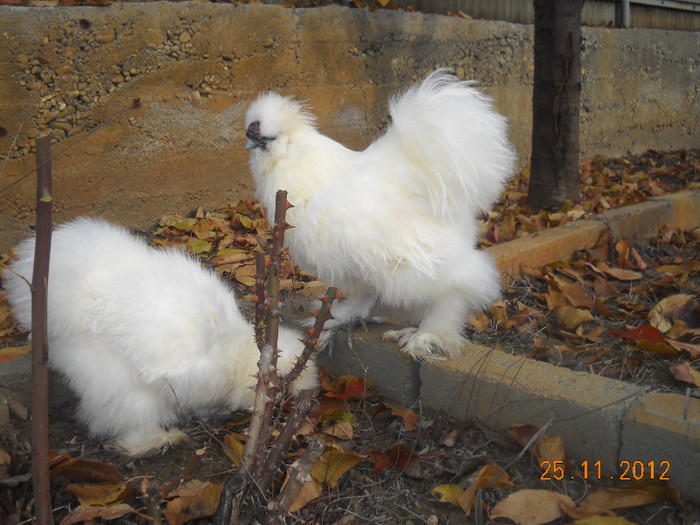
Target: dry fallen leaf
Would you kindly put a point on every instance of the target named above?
(449, 493)
(610, 498)
(397, 456)
(332, 465)
(233, 448)
(487, 473)
(604, 520)
(661, 316)
(187, 508)
(84, 470)
(85, 513)
(13, 352)
(619, 273)
(309, 491)
(647, 338)
(341, 430)
(100, 495)
(684, 372)
(532, 507)
(570, 317)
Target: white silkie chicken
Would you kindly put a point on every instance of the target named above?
(143, 336)
(393, 226)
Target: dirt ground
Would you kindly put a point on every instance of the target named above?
(450, 452)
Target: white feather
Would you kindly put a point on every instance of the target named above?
(394, 225)
(143, 336)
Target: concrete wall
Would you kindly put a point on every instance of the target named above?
(196, 66)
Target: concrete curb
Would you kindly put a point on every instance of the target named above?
(636, 223)
(600, 419)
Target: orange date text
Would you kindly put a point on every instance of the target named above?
(628, 470)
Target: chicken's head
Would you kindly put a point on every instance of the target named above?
(274, 121)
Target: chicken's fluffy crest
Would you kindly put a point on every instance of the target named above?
(282, 115)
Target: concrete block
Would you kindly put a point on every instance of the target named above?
(501, 389)
(395, 375)
(546, 246)
(685, 209)
(662, 427)
(638, 222)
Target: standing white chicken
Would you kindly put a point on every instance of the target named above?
(393, 226)
(143, 336)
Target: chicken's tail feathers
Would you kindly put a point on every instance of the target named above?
(457, 140)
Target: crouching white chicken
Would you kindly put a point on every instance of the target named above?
(393, 226)
(143, 336)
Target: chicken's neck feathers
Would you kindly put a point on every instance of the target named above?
(309, 166)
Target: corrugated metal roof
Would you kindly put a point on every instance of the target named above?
(662, 14)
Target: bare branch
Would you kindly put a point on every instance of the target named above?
(40, 346)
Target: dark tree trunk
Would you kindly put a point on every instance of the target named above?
(554, 175)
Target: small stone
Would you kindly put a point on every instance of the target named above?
(66, 111)
(106, 36)
(116, 70)
(22, 59)
(50, 116)
(185, 37)
(117, 79)
(65, 126)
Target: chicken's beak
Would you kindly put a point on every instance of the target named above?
(254, 138)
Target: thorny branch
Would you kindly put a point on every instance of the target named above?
(268, 386)
(257, 466)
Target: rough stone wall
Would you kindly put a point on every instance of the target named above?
(196, 66)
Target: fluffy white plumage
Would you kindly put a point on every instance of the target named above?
(393, 226)
(143, 336)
